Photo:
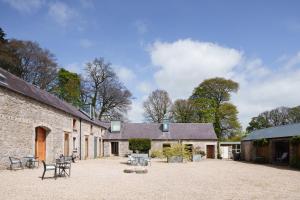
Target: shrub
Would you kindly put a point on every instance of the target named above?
(176, 150)
(140, 144)
(261, 142)
(198, 151)
(295, 162)
(157, 154)
(295, 140)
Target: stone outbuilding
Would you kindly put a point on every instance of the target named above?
(35, 122)
(162, 135)
(271, 145)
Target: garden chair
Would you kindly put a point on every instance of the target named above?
(48, 167)
(15, 161)
(283, 157)
(31, 161)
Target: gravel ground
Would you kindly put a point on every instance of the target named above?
(104, 179)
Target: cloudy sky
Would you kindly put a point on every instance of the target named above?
(173, 45)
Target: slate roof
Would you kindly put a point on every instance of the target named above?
(177, 131)
(275, 132)
(20, 86)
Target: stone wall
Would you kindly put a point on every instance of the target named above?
(19, 117)
(156, 145)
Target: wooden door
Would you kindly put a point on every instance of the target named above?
(66, 145)
(86, 152)
(210, 151)
(40, 143)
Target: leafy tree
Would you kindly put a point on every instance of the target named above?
(218, 90)
(139, 144)
(30, 62)
(157, 106)
(204, 110)
(276, 117)
(68, 87)
(183, 111)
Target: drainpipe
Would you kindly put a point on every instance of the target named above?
(80, 139)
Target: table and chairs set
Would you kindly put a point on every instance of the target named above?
(61, 167)
(139, 159)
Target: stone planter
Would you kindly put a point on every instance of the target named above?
(196, 157)
(175, 159)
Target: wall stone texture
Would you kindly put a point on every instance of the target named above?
(19, 117)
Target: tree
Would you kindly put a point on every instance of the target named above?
(114, 100)
(30, 62)
(218, 90)
(183, 111)
(109, 98)
(276, 117)
(67, 87)
(2, 35)
(204, 110)
(230, 125)
(157, 106)
(97, 72)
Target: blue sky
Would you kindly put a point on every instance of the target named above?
(173, 45)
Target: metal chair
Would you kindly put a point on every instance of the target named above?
(48, 167)
(15, 161)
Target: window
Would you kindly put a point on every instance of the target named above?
(166, 145)
(74, 144)
(115, 126)
(91, 129)
(74, 124)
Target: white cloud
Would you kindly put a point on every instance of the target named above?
(61, 13)
(86, 43)
(135, 114)
(183, 64)
(141, 26)
(125, 74)
(87, 3)
(25, 6)
(145, 87)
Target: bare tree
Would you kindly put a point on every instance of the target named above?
(157, 106)
(97, 72)
(114, 100)
(101, 88)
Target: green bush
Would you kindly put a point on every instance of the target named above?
(261, 142)
(295, 140)
(295, 162)
(198, 151)
(142, 145)
(157, 154)
(177, 150)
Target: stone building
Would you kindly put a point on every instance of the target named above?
(277, 148)
(34, 122)
(162, 135)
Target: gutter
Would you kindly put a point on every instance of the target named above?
(80, 139)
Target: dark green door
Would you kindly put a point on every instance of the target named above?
(95, 147)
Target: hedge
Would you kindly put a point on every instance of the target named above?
(140, 144)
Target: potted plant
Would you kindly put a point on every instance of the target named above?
(197, 154)
(176, 153)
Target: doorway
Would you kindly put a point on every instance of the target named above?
(115, 148)
(86, 152)
(95, 147)
(40, 143)
(282, 150)
(66, 145)
(210, 151)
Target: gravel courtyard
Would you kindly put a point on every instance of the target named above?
(104, 179)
